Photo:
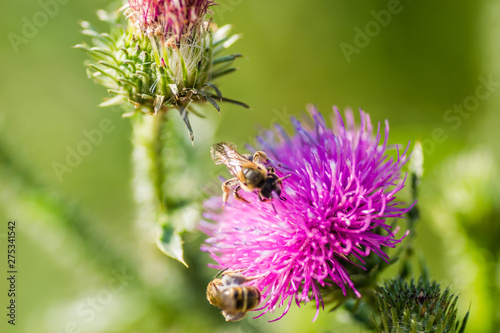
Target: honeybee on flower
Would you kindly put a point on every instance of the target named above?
(340, 194)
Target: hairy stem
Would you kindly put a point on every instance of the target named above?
(150, 171)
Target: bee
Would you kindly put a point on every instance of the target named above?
(250, 173)
(232, 297)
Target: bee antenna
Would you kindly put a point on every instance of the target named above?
(220, 272)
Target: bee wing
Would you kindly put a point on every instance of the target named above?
(220, 151)
(233, 315)
(225, 153)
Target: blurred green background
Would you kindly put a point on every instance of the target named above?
(77, 235)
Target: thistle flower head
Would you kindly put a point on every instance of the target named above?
(418, 307)
(165, 56)
(170, 18)
(339, 196)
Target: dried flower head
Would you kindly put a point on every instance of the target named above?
(340, 194)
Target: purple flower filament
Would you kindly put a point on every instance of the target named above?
(341, 190)
(174, 18)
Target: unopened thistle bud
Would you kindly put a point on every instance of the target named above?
(421, 307)
(160, 55)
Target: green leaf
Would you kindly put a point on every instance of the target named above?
(102, 71)
(105, 52)
(214, 87)
(112, 66)
(184, 115)
(169, 241)
(223, 72)
(227, 58)
(215, 105)
(229, 100)
(464, 322)
(117, 100)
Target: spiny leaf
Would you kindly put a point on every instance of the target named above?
(223, 72)
(131, 64)
(82, 47)
(216, 106)
(113, 101)
(464, 322)
(221, 34)
(225, 43)
(184, 115)
(226, 59)
(141, 74)
(105, 52)
(225, 99)
(112, 66)
(91, 33)
(117, 92)
(102, 71)
(129, 82)
(214, 87)
(108, 37)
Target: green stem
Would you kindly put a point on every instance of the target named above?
(148, 168)
(150, 173)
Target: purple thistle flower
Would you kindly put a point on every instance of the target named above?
(341, 192)
(171, 18)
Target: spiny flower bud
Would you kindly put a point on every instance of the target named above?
(421, 307)
(164, 55)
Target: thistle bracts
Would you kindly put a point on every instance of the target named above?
(420, 307)
(159, 67)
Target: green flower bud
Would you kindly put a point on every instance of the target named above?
(421, 307)
(160, 66)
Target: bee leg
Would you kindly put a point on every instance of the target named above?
(227, 186)
(238, 196)
(263, 198)
(235, 277)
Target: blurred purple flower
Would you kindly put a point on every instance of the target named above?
(171, 18)
(341, 192)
